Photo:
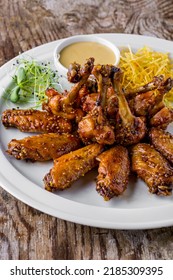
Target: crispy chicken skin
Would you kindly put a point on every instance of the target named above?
(163, 142)
(35, 121)
(43, 147)
(73, 74)
(158, 82)
(149, 103)
(95, 127)
(89, 102)
(129, 129)
(85, 72)
(148, 99)
(65, 103)
(162, 118)
(76, 72)
(143, 103)
(114, 169)
(111, 103)
(53, 106)
(68, 168)
(152, 168)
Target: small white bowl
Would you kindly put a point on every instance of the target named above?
(81, 38)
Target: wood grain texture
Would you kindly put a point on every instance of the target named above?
(26, 233)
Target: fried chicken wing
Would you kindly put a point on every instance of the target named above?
(143, 103)
(65, 102)
(156, 108)
(53, 106)
(68, 168)
(163, 142)
(114, 168)
(129, 129)
(89, 102)
(162, 118)
(111, 106)
(112, 103)
(95, 127)
(157, 82)
(152, 168)
(35, 121)
(83, 93)
(149, 102)
(76, 72)
(43, 147)
(70, 98)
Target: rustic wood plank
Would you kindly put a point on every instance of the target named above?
(26, 233)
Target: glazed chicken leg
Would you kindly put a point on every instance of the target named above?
(157, 82)
(111, 106)
(149, 102)
(143, 103)
(64, 103)
(129, 129)
(94, 127)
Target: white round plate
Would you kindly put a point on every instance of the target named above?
(135, 209)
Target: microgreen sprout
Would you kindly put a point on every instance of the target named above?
(30, 81)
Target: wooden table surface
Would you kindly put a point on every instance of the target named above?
(26, 233)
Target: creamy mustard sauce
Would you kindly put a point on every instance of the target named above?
(80, 51)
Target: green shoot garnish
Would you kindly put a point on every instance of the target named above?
(30, 82)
